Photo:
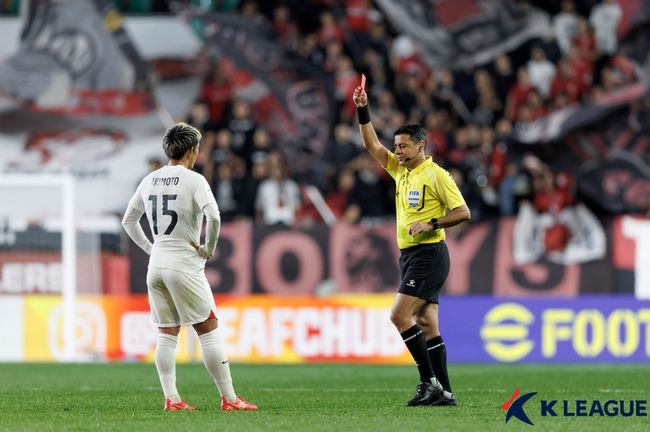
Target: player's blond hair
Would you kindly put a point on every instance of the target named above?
(179, 139)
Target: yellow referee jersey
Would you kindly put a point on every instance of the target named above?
(421, 194)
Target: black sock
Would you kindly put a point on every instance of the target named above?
(438, 359)
(415, 342)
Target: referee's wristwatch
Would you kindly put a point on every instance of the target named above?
(434, 224)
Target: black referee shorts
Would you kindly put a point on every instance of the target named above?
(423, 270)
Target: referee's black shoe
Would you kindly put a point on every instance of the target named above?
(425, 394)
(445, 399)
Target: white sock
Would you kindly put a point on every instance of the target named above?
(214, 357)
(165, 359)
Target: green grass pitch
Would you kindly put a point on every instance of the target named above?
(127, 397)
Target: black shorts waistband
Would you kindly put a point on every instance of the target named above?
(420, 247)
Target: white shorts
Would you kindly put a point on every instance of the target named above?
(178, 298)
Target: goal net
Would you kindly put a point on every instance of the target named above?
(43, 252)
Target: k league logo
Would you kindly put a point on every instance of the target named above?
(514, 407)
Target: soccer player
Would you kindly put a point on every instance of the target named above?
(424, 193)
(175, 198)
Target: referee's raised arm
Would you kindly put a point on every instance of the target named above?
(370, 140)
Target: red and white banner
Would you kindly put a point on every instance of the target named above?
(484, 259)
(571, 236)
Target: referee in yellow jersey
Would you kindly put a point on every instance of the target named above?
(426, 201)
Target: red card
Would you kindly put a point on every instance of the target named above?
(363, 82)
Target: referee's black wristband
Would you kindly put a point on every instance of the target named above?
(364, 114)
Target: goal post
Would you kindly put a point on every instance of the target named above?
(34, 199)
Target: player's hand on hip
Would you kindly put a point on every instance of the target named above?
(360, 97)
(420, 227)
(200, 249)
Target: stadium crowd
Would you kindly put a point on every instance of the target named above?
(467, 113)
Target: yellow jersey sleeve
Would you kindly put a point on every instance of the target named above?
(392, 165)
(448, 190)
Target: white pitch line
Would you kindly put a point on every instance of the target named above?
(91, 389)
(320, 389)
(603, 390)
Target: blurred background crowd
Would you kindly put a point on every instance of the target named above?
(467, 112)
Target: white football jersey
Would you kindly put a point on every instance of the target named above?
(173, 198)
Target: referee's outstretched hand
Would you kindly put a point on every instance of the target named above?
(360, 97)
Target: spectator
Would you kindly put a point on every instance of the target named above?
(535, 104)
(518, 95)
(309, 49)
(345, 80)
(406, 88)
(222, 149)
(259, 172)
(339, 199)
(217, 91)
(261, 147)
(488, 110)
(540, 71)
(242, 126)
(565, 24)
(333, 53)
(605, 18)
(378, 39)
(384, 110)
(357, 16)
(199, 116)
(503, 76)
(227, 191)
(285, 28)
(369, 195)
(585, 40)
(437, 127)
(405, 58)
(278, 198)
(552, 192)
(329, 30)
(566, 82)
(345, 149)
(513, 184)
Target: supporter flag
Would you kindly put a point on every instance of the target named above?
(76, 58)
(571, 236)
(457, 33)
(604, 144)
(290, 98)
(77, 98)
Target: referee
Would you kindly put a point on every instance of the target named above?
(424, 193)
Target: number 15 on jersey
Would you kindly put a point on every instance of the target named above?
(166, 211)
